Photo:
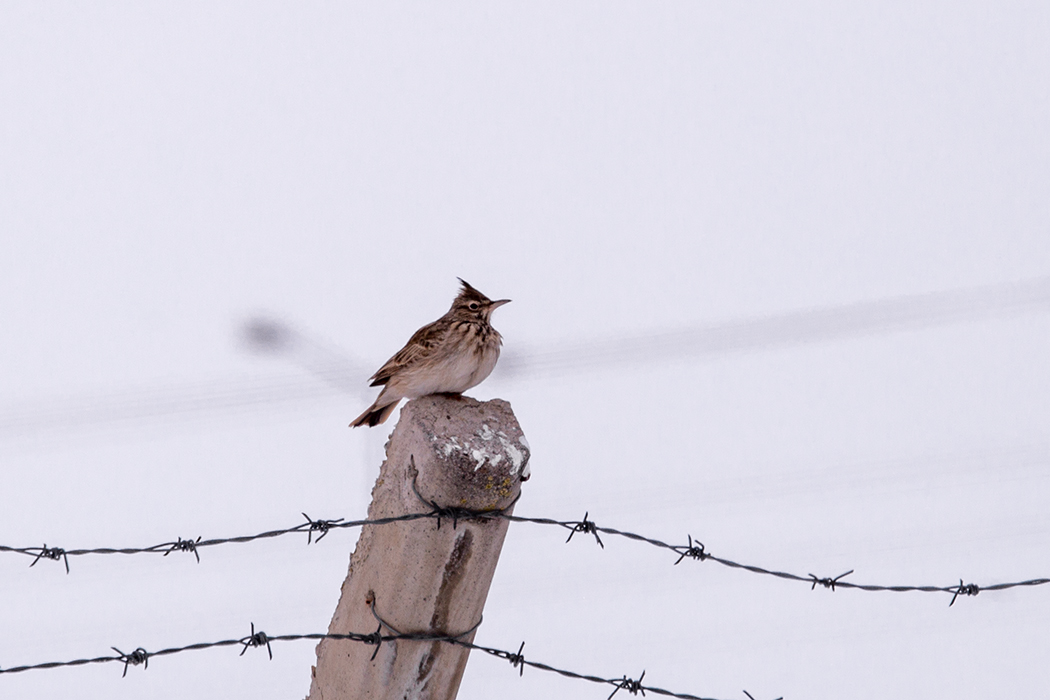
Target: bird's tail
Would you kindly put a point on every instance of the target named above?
(375, 414)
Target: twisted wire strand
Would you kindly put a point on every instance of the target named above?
(694, 550)
(260, 639)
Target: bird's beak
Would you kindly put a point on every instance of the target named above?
(501, 302)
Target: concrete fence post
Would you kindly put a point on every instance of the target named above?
(422, 578)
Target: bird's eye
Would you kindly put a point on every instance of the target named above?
(473, 306)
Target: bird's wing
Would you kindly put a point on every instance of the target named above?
(418, 347)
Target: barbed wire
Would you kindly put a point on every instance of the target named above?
(141, 657)
(694, 549)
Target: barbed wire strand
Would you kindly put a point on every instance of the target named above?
(694, 549)
(261, 639)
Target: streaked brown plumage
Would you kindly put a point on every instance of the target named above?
(449, 356)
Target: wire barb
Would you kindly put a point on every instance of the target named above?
(53, 553)
(185, 546)
(828, 582)
(964, 589)
(452, 512)
(256, 639)
(322, 526)
(139, 656)
(692, 551)
(631, 686)
(375, 638)
(587, 527)
(517, 660)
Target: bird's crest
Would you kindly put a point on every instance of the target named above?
(468, 293)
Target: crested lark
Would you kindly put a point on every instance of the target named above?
(448, 356)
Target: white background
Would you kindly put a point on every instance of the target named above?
(620, 170)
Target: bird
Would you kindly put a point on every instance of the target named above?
(452, 354)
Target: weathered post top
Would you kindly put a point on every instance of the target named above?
(468, 454)
(456, 452)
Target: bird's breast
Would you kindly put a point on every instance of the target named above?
(464, 360)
